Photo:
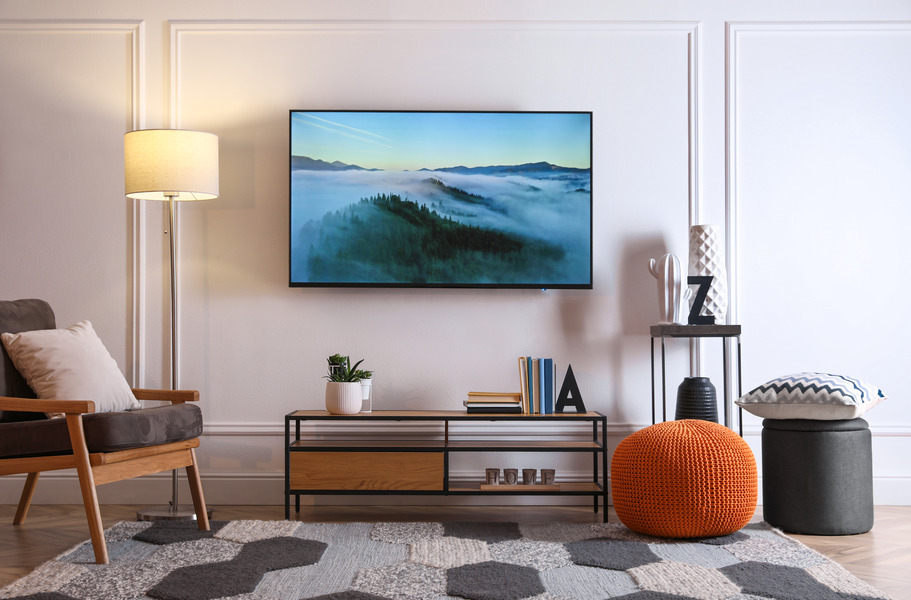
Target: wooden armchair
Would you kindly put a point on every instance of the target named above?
(102, 447)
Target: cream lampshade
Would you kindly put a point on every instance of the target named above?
(173, 165)
(163, 163)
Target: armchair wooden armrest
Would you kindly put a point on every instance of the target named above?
(172, 396)
(69, 407)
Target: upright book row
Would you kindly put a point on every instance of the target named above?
(537, 393)
(538, 385)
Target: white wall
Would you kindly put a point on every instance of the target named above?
(784, 121)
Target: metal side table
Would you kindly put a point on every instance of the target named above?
(726, 333)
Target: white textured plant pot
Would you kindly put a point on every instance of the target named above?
(707, 258)
(343, 398)
(672, 289)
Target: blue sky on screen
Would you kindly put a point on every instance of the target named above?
(432, 140)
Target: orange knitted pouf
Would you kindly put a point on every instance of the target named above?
(684, 479)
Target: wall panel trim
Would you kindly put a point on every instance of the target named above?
(734, 33)
(135, 29)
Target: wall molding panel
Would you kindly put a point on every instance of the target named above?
(676, 43)
(735, 32)
(810, 114)
(133, 31)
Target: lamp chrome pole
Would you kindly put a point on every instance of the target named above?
(172, 512)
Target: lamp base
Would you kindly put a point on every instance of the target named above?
(168, 513)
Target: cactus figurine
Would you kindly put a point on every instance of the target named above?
(673, 292)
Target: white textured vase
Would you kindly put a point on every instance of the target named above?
(672, 289)
(707, 258)
(343, 398)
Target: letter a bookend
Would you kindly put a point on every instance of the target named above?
(569, 393)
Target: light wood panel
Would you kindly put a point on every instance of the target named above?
(172, 396)
(879, 557)
(110, 458)
(367, 471)
(143, 465)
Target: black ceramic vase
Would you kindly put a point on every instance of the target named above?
(696, 399)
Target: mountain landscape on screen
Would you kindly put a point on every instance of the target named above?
(524, 224)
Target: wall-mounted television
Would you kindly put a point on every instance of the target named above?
(449, 199)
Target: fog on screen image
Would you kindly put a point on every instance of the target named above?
(387, 222)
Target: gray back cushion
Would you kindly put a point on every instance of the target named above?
(17, 316)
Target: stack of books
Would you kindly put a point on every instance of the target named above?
(538, 383)
(494, 402)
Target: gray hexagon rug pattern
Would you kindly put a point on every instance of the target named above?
(290, 560)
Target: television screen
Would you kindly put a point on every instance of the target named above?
(441, 199)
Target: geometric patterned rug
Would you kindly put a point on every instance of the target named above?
(291, 560)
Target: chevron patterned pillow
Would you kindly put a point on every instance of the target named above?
(819, 396)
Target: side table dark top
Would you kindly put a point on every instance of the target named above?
(695, 330)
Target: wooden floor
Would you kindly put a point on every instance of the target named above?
(881, 557)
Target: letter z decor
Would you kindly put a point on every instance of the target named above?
(704, 282)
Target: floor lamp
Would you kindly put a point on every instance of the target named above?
(170, 165)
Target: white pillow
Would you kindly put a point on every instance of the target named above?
(70, 364)
(819, 396)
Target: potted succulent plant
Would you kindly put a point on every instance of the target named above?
(343, 389)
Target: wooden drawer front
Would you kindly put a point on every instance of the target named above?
(367, 471)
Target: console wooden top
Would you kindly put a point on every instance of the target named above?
(437, 415)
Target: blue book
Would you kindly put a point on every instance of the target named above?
(540, 363)
(548, 379)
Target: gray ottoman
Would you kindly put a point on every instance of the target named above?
(817, 476)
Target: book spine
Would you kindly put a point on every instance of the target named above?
(541, 385)
(529, 383)
(555, 386)
(509, 410)
(493, 397)
(548, 385)
(523, 382)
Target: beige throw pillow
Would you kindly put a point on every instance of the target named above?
(70, 364)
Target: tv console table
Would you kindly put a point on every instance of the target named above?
(421, 466)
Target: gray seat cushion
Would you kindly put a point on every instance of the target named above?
(104, 432)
